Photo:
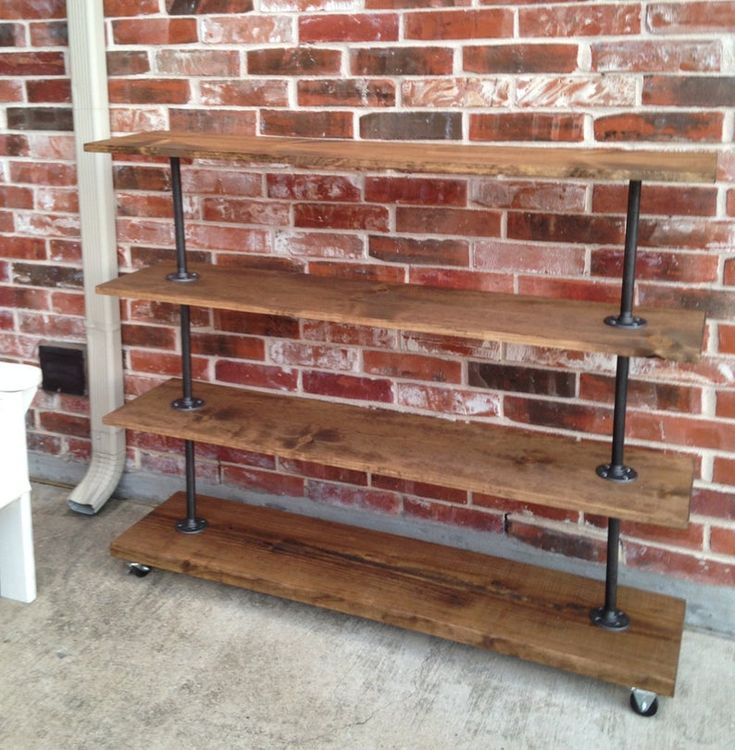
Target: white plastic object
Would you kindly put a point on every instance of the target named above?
(18, 385)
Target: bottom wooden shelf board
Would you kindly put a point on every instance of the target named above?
(509, 607)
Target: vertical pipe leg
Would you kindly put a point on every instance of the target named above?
(626, 319)
(609, 616)
(181, 273)
(191, 524)
(187, 402)
(616, 470)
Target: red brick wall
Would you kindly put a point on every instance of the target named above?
(584, 73)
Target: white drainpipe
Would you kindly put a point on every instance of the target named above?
(88, 69)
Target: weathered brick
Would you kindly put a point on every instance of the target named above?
(513, 257)
(401, 61)
(526, 126)
(14, 10)
(713, 503)
(65, 251)
(416, 191)
(149, 90)
(154, 31)
(569, 289)
(724, 471)
(14, 197)
(68, 303)
(117, 8)
(673, 563)
(361, 271)
(549, 196)
(642, 394)
(459, 24)
(726, 338)
(575, 91)
(40, 118)
(149, 337)
(398, 4)
(726, 404)
(511, 506)
(412, 367)
(421, 489)
(521, 58)
(689, 91)
(730, 206)
(306, 124)
(257, 480)
(693, 233)
(137, 119)
(666, 200)
(197, 62)
(11, 91)
(355, 92)
(294, 61)
(189, 7)
(660, 126)
(347, 386)
(312, 355)
(414, 126)
(57, 200)
(12, 35)
(343, 333)
(555, 540)
(246, 29)
(225, 121)
(462, 222)
(558, 414)
(245, 93)
(359, 497)
(728, 277)
(313, 187)
(49, 34)
(650, 56)
(218, 181)
(39, 274)
(722, 541)
(521, 379)
(141, 177)
(336, 216)
(360, 27)
(690, 267)
(135, 204)
(455, 92)
(66, 424)
(568, 21)
(675, 18)
(256, 324)
(565, 228)
(260, 376)
(447, 400)
(14, 144)
(32, 299)
(127, 62)
(425, 251)
(675, 429)
(453, 514)
(319, 245)
(32, 64)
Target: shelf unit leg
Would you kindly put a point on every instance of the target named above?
(616, 470)
(191, 524)
(626, 319)
(609, 616)
(182, 274)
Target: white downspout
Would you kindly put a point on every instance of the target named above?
(88, 68)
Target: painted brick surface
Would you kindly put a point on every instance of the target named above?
(623, 74)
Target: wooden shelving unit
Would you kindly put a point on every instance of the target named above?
(631, 639)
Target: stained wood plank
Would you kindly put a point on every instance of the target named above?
(488, 602)
(447, 158)
(568, 324)
(516, 464)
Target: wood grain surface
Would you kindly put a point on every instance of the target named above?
(550, 161)
(512, 608)
(567, 324)
(516, 464)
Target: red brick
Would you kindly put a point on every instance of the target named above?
(660, 126)
(127, 63)
(682, 430)
(565, 543)
(569, 289)
(154, 31)
(649, 56)
(246, 29)
(568, 21)
(398, 4)
(313, 187)
(359, 497)
(219, 181)
(256, 480)
(15, 197)
(351, 92)
(149, 91)
(174, 465)
(511, 257)
(713, 503)
(149, 337)
(245, 211)
(521, 379)
(462, 222)
(141, 177)
(726, 404)
(11, 91)
(137, 204)
(160, 363)
(565, 228)
(342, 333)
(319, 245)
(189, 7)
(512, 506)
(452, 514)
(724, 471)
(455, 92)
(722, 541)
(674, 18)
(41, 274)
(413, 367)
(575, 91)
(341, 216)
(417, 191)
(310, 355)
(431, 252)
(256, 324)
(65, 251)
(137, 119)
(294, 61)
(447, 400)
(57, 199)
(66, 424)
(347, 386)
(226, 122)
(14, 10)
(33, 299)
(526, 126)
(726, 338)
(306, 124)
(521, 58)
(679, 565)
(731, 202)
(319, 471)
(32, 63)
(455, 279)
(691, 267)
(459, 24)
(259, 376)
(536, 196)
(49, 34)
(689, 91)
(197, 62)
(401, 61)
(692, 537)
(14, 145)
(729, 273)
(40, 443)
(22, 248)
(697, 234)
(39, 118)
(715, 303)
(361, 27)
(12, 35)
(416, 126)
(421, 489)
(221, 345)
(67, 303)
(117, 8)
(244, 93)
(558, 414)
(642, 394)
(666, 200)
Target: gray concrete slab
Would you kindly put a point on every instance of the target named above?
(103, 660)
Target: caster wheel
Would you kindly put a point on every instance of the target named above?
(643, 702)
(138, 570)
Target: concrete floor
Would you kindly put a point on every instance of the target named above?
(103, 660)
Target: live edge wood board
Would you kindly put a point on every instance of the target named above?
(545, 161)
(567, 324)
(516, 464)
(509, 607)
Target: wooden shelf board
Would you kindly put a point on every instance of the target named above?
(515, 464)
(492, 603)
(567, 324)
(546, 161)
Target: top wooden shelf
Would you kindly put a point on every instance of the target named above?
(551, 161)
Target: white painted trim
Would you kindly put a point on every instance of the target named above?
(88, 68)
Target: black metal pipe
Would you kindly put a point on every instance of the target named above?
(191, 524)
(609, 616)
(182, 273)
(626, 319)
(616, 470)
